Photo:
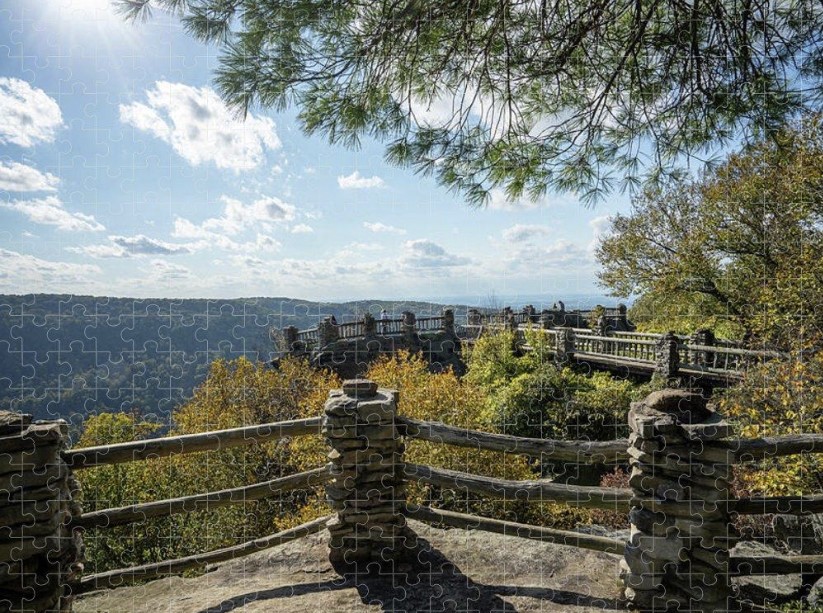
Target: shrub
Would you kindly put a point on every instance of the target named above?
(238, 393)
(777, 398)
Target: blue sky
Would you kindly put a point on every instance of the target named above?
(122, 173)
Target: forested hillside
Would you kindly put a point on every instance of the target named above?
(69, 356)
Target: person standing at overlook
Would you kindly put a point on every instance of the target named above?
(384, 319)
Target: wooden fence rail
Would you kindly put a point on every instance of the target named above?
(718, 453)
(127, 576)
(189, 443)
(579, 452)
(537, 491)
(209, 501)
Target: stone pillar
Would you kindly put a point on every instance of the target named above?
(667, 357)
(622, 318)
(546, 320)
(705, 337)
(39, 555)
(409, 329)
(564, 349)
(327, 332)
(290, 337)
(367, 492)
(448, 320)
(677, 555)
(369, 325)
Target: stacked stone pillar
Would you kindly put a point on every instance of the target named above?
(448, 321)
(667, 356)
(367, 491)
(564, 348)
(677, 555)
(327, 332)
(39, 555)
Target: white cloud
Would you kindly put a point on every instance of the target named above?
(15, 177)
(356, 181)
(49, 211)
(165, 271)
(499, 201)
(100, 251)
(129, 246)
(381, 227)
(29, 115)
(200, 128)
(519, 233)
(423, 253)
(302, 228)
(21, 273)
(237, 217)
(600, 228)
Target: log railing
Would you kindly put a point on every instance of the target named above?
(90, 457)
(702, 452)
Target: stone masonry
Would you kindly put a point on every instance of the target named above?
(677, 555)
(39, 555)
(367, 491)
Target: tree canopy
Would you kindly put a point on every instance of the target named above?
(744, 239)
(520, 95)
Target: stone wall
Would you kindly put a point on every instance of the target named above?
(39, 556)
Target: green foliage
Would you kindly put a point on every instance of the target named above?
(563, 404)
(560, 96)
(740, 244)
(779, 398)
(238, 393)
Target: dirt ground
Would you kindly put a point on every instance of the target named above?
(455, 570)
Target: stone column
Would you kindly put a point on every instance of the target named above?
(39, 555)
(367, 492)
(667, 357)
(369, 325)
(546, 320)
(409, 328)
(705, 337)
(290, 337)
(327, 332)
(677, 555)
(564, 349)
(448, 320)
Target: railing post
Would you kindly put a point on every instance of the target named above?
(40, 557)
(704, 336)
(667, 356)
(367, 491)
(677, 555)
(448, 321)
(327, 332)
(564, 348)
(290, 336)
(369, 325)
(409, 327)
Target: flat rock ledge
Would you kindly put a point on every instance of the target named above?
(456, 570)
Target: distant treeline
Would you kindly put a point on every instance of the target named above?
(70, 356)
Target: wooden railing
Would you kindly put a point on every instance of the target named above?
(620, 499)
(726, 451)
(84, 458)
(720, 363)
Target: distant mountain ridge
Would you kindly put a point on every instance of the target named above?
(70, 356)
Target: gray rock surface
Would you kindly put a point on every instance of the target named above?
(456, 570)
